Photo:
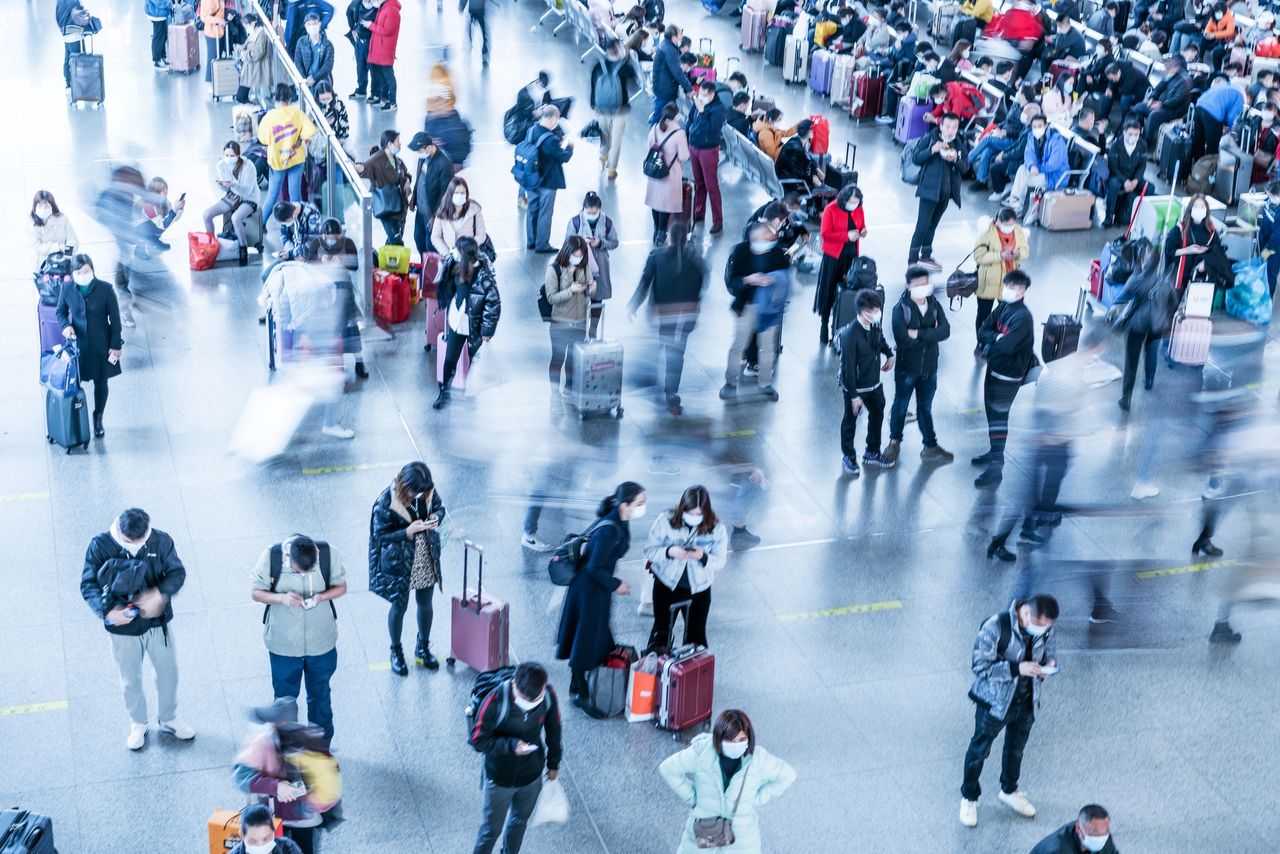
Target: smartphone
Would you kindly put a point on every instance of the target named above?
(182, 197)
(1049, 670)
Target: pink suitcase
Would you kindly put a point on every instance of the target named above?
(50, 331)
(753, 27)
(435, 321)
(464, 364)
(480, 625)
(184, 48)
(1189, 340)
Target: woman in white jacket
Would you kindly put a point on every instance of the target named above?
(685, 550)
(725, 775)
(51, 230)
(237, 181)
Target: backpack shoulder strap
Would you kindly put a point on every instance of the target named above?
(277, 565)
(325, 568)
(1006, 633)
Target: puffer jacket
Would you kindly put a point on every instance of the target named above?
(158, 10)
(662, 536)
(391, 552)
(165, 573)
(484, 305)
(315, 59)
(567, 306)
(990, 265)
(994, 676)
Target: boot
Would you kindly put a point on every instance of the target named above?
(98, 432)
(398, 667)
(1223, 633)
(361, 371)
(997, 550)
(441, 399)
(423, 658)
(1205, 546)
(244, 256)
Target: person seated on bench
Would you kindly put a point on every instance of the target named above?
(740, 117)
(769, 137)
(794, 165)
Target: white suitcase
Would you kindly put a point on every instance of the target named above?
(795, 59)
(842, 81)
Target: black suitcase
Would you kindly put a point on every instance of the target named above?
(846, 310)
(1175, 154)
(66, 424)
(24, 832)
(1061, 337)
(775, 45)
(840, 175)
(87, 82)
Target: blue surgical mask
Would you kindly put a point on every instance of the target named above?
(1094, 843)
(1036, 631)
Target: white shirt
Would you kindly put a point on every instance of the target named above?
(458, 318)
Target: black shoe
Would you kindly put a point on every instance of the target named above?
(244, 256)
(361, 371)
(741, 539)
(1223, 633)
(991, 477)
(1148, 384)
(98, 432)
(980, 185)
(982, 459)
(1124, 404)
(1205, 546)
(1031, 537)
(398, 667)
(423, 658)
(824, 336)
(1103, 612)
(589, 707)
(997, 550)
(441, 399)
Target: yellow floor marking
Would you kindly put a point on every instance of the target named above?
(380, 665)
(338, 469)
(1185, 570)
(29, 708)
(890, 605)
(23, 496)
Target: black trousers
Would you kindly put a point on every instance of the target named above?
(383, 84)
(100, 390)
(985, 307)
(1206, 134)
(426, 612)
(660, 221)
(1148, 347)
(873, 402)
(927, 219)
(1155, 118)
(997, 399)
(695, 615)
(673, 338)
(1048, 469)
(453, 344)
(477, 19)
(1118, 201)
(1017, 729)
(362, 66)
(159, 41)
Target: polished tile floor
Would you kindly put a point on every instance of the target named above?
(869, 704)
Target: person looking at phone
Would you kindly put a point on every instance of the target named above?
(1012, 656)
(404, 555)
(297, 580)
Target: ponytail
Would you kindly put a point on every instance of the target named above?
(624, 494)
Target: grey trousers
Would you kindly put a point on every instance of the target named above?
(498, 802)
(128, 651)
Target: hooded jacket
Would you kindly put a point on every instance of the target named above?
(919, 355)
(1049, 156)
(164, 572)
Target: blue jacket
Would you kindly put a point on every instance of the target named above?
(551, 157)
(158, 8)
(705, 126)
(1269, 228)
(63, 12)
(668, 77)
(315, 60)
(1052, 161)
(1223, 103)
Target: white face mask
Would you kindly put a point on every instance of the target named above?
(1009, 294)
(1038, 133)
(576, 260)
(1036, 631)
(938, 99)
(638, 512)
(1130, 142)
(1198, 214)
(921, 292)
(230, 159)
(851, 205)
(265, 848)
(874, 318)
(525, 705)
(81, 278)
(1005, 228)
(313, 30)
(693, 520)
(1094, 843)
(44, 211)
(762, 246)
(459, 199)
(734, 749)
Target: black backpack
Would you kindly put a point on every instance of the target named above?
(862, 274)
(486, 684)
(277, 567)
(121, 579)
(570, 556)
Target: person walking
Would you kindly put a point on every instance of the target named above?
(569, 286)
(284, 130)
(597, 228)
(942, 159)
(725, 775)
(404, 555)
(753, 265)
(706, 126)
(1014, 653)
(843, 226)
(458, 216)
(1007, 339)
(1147, 303)
(614, 81)
(158, 12)
(476, 18)
(384, 34)
(468, 293)
(919, 325)
(664, 194)
(89, 314)
(685, 550)
(213, 15)
(295, 580)
(1090, 833)
(509, 730)
(237, 180)
(389, 179)
(431, 187)
(262, 771)
(131, 574)
(1000, 249)
(555, 148)
(860, 345)
(585, 638)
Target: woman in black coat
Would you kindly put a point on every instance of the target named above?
(404, 554)
(468, 295)
(89, 313)
(1195, 249)
(1146, 306)
(585, 638)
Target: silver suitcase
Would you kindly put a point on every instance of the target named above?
(597, 376)
(795, 59)
(1234, 174)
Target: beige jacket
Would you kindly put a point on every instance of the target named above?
(990, 265)
(567, 306)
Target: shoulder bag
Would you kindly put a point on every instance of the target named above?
(717, 832)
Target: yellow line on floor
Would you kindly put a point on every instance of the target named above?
(737, 434)
(340, 469)
(971, 411)
(23, 496)
(1149, 574)
(380, 665)
(890, 605)
(30, 708)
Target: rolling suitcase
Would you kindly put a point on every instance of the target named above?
(226, 79)
(596, 386)
(1234, 174)
(943, 22)
(464, 364)
(480, 626)
(753, 29)
(775, 44)
(1067, 210)
(1062, 334)
(846, 310)
(50, 331)
(821, 64)
(840, 175)
(1173, 153)
(184, 48)
(868, 91)
(686, 684)
(391, 302)
(842, 81)
(24, 832)
(1189, 340)
(87, 82)
(66, 419)
(795, 59)
(910, 123)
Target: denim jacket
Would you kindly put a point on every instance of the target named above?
(662, 536)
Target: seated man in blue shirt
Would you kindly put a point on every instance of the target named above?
(1216, 111)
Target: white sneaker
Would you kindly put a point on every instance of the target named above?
(178, 728)
(996, 196)
(645, 609)
(534, 544)
(337, 431)
(1144, 490)
(1018, 803)
(137, 736)
(968, 813)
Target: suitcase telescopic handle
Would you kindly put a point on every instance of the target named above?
(687, 607)
(467, 548)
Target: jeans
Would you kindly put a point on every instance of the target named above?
(395, 617)
(241, 212)
(211, 52)
(128, 651)
(287, 673)
(383, 82)
(1017, 726)
(924, 386)
(70, 49)
(509, 804)
(542, 205)
(292, 178)
(1118, 201)
(1148, 347)
(658, 105)
(927, 219)
(477, 19)
(997, 399)
(612, 128)
(873, 402)
(987, 148)
(564, 333)
(706, 183)
(673, 337)
(362, 66)
(695, 615)
(159, 41)
(747, 495)
(1048, 469)
(394, 228)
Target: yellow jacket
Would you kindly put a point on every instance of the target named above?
(983, 10)
(283, 130)
(990, 265)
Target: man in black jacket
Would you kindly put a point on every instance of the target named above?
(943, 158)
(861, 344)
(508, 731)
(739, 117)
(1007, 339)
(1127, 161)
(751, 264)
(131, 573)
(919, 326)
(667, 75)
(1168, 101)
(1067, 43)
(357, 14)
(794, 163)
(435, 171)
(706, 120)
(1090, 832)
(1125, 85)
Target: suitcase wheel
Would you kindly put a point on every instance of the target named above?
(618, 412)
(450, 662)
(50, 438)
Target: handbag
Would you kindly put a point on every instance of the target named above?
(717, 832)
(387, 201)
(655, 164)
(486, 248)
(961, 284)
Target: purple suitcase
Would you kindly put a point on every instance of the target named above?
(481, 625)
(910, 124)
(50, 331)
(753, 29)
(821, 64)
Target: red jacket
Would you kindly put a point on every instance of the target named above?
(385, 32)
(1014, 26)
(836, 225)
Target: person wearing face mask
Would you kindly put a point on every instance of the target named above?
(668, 76)
(614, 80)
(1090, 833)
(52, 233)
(314, 54)
(1127, 163)
(1010, 657)
(943, 158)
(569, 287)
(1001, 248)
(509, 730)
(1007, 339)
(585, 638)
(337, 254)
(843, 226)
(1067, 43)
(593, 226)
(1219, 32)
(950, 69)
(877, 38)
(705, 126)
(468, 294)
(284, 130)
(1169, 99)
(237, 181)
(1060, 102)
(432, 190)
(769, 135)
(384, 168)
(297, 581)
(919, 326)
(724, 774)
(665, 196)
(555, 149)
(404, 557)
(1196, 247)
(89, 313)
(458, 216)
(359, 13)
(1044, 166)
(131, 574)
(384, 35)
(752, 264)
(1269, 234)
(686, 548)
(255, 64)
(1267, 133)
(787, 218)
(938, 101)
(258, 834)
(1216, 112)
(988, 156)
(861, 345)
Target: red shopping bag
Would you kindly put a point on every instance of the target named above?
(203, 248)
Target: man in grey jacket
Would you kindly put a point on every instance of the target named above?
(1015, 652)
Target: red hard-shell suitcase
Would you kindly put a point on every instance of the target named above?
(686, 683)
(184, 48)
(868, 92)
(464, 364)
(50, 331)
(391, 302)
(481, 625)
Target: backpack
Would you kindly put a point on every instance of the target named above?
(862, 274)
(277, 567)
(910, 170)
(515, 125)
(655, 164)
(728, 271)
(1202, 174)
(608, 88)
(121, 579)
(486, 683)
(527, 169)
(570, 556)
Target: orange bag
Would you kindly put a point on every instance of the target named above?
(642, 689)
(203, 250)
(224, 830)
(823, 31)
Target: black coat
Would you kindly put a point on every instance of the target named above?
(452, 133)
(672, 281)
(1012, 332)
(1126, 166)
(1217, 266)
(939, 179)
(1064, 841)
(585, 638)
(483, 303)
(1174, 93)
(434, 175)
(96, 320)
(860, 352)
(794, 163)
(164, 572)
(919, 355)
(391, 552)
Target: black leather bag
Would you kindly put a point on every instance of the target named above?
(387, 201)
